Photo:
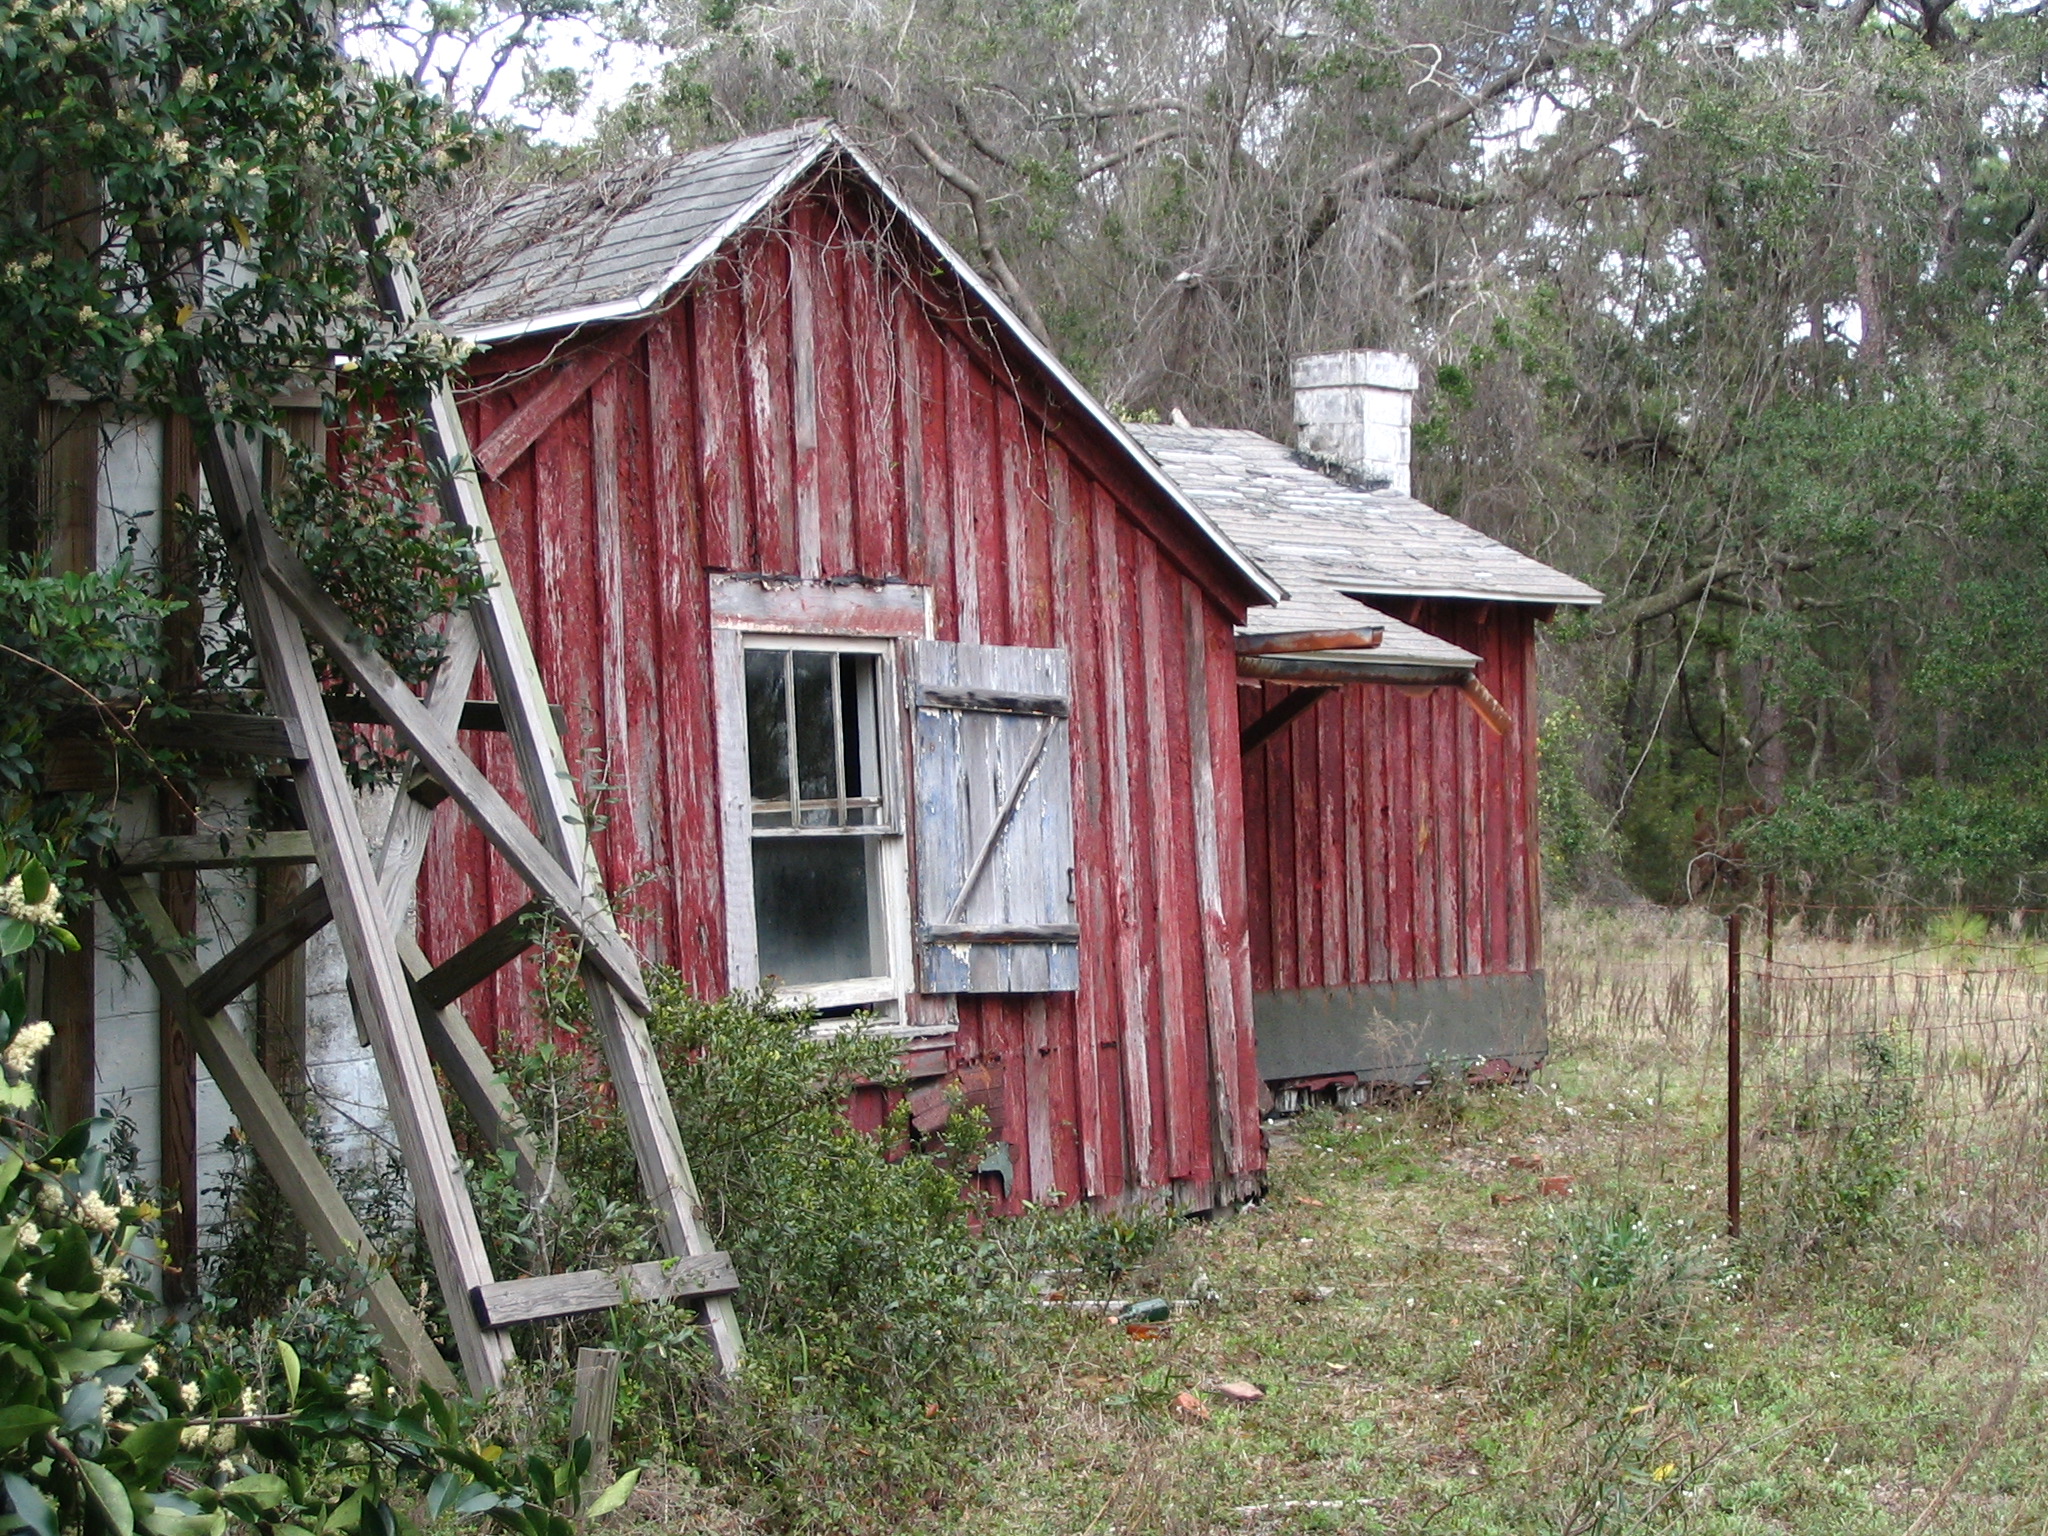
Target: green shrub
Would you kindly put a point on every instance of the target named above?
(1618, 1281)
(866, 1292)
(1844, 1170)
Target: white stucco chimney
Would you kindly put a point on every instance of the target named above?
(1355, 408)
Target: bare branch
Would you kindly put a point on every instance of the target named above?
(977, 209)
(1138, 147)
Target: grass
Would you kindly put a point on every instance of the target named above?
(1443, 1347)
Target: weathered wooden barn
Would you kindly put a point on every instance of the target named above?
(907, 678)
(1390, 794)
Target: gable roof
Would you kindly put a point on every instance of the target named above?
(565, 260)
(1313, 531)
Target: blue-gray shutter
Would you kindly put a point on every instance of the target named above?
(992, 787)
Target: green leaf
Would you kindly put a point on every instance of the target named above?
(22, 1423)
(82, 1407)
(27, 1501)
(35, 883)
(614, 1496)
(265, 1490)
(109, 1497)
(15, 936)
(288, 1362)
(152, 1447)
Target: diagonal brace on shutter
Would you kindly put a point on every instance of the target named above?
(979, 863)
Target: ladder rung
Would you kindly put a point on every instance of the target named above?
(212, 850)
(505, 1302)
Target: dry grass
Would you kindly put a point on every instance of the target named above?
(1444, 1349)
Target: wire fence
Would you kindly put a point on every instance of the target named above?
(1878, 1065)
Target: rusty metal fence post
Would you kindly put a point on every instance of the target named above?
(1735, 1073)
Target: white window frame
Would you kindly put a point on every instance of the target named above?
(884, 995)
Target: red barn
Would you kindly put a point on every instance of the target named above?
(1390, 794)
(908, 680)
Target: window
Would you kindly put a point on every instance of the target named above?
(823, 822)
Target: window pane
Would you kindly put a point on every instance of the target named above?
(811, 920)
(767, 725)
(857, 724)
(817, 751)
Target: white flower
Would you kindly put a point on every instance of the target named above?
(111, 1282)
(252, 1404)
(116, 1396)
(13, 902)
(28, 1043)
(188, 1395)
(225, 1467)
(150, 1369)
(222, 1442)
(359, 1394)
(50, 1198)
(95, 1213)
(175, 148)
(29, 1235)
(193, 1436)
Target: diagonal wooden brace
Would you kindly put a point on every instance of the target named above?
(270, 1126)
(437, 748)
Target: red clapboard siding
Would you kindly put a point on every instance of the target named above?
(814, 406)
(1391, 837)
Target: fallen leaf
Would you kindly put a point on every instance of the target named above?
(1190, 1407)
(1307, 1200)
(1556, 1187)
(1149, 1330)
(1240, 1392)
(1528, 1163)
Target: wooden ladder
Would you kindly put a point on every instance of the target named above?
(407, 1006)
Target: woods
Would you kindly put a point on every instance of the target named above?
(1732, 310)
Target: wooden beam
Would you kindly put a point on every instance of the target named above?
(263, 1116)
(505, 1302)
(279, 937)
(1487, 707)
(475, 1078)
(1294, 641)
(1275, 720)
(523, 428)
(597, 1400)
(1014, 933)
(212, 850)
(545, 875)
(1341, 667)
(477, 714)
(988, 701)
(619, 1013)
(220, 732)
(383, 992)
(480, 959)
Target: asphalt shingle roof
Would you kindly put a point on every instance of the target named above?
(1308, 528)
(562, 249)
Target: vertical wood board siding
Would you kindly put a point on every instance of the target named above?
(1390, 836)
(817, 405)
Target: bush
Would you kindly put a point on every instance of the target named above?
(1621, 1282)
(1845, 1146)
(865, 1288)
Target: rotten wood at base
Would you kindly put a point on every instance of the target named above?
(1275, 720)
(505, 1302)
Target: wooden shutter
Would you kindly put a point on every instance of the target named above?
(993, 819)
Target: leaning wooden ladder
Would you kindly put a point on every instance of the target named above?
(408, 1007)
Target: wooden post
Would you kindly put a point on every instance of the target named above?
(597, 1397)
(1735, 1073)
